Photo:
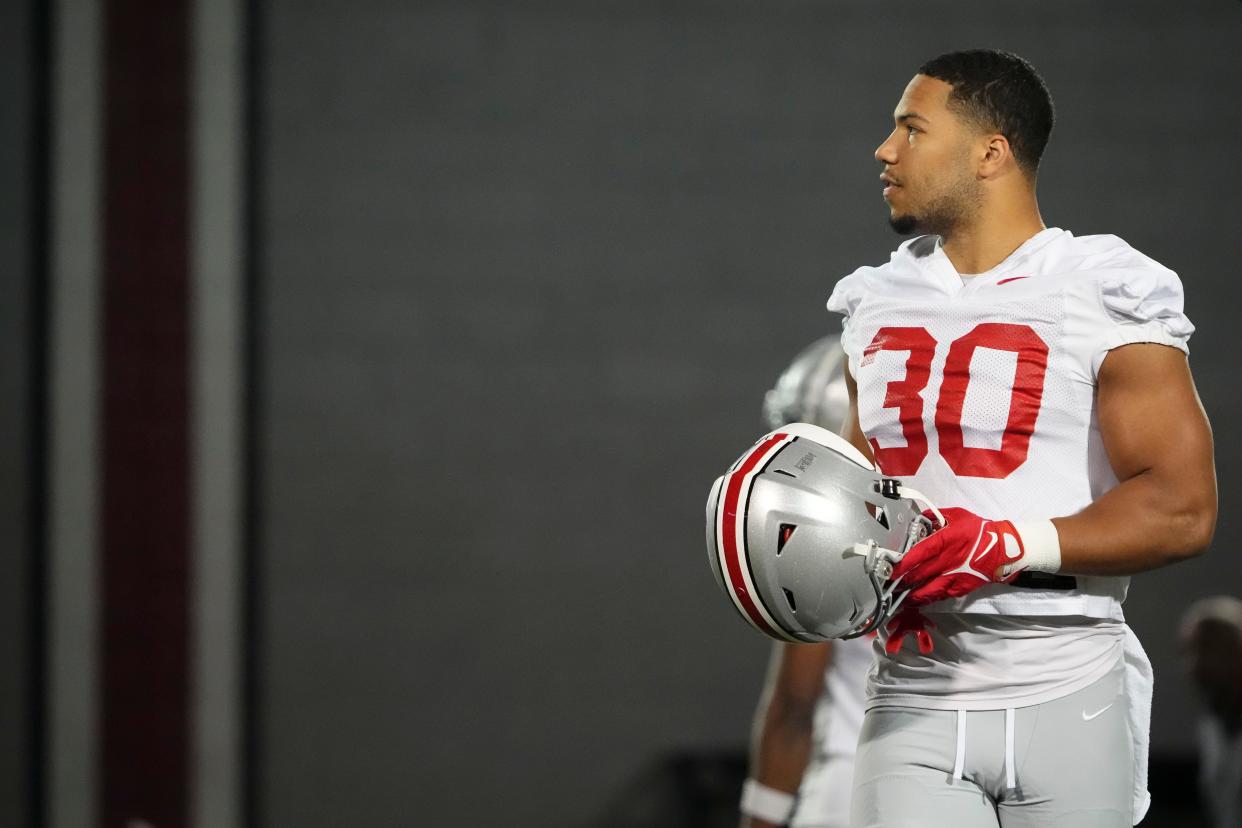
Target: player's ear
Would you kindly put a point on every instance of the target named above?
(995, 152)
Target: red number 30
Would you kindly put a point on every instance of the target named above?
(905, 395)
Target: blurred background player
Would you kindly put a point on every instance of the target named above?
(1212, 640)
(811, 708)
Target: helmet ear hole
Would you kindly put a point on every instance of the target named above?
(877, 512)
(789, 598)
(787, 530)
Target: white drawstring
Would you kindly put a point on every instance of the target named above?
(959, 764)
(1011, 773)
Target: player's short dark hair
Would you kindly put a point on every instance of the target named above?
(1000, 91)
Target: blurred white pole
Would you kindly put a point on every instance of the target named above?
(217, 213)
(73, 607)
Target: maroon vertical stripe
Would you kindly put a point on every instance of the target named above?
(145, 498)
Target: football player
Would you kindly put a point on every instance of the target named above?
(1211, 638)
(1034, 385)
(808, 716)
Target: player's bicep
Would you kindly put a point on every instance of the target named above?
(850, 429)
(1151, 419)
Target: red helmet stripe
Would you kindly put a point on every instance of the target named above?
(730, 538)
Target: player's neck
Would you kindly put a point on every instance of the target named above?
(989, 237)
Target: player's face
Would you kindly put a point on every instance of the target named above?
(929, 182)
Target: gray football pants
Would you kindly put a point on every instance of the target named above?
(1072, 765)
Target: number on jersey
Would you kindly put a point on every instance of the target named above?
(905, 395)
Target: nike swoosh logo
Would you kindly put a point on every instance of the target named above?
(1086, 717)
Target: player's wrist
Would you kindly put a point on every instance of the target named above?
(768, 804)
(1041, 546)
(756, 822)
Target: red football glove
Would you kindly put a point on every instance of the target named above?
(909, 620)
(967, 553)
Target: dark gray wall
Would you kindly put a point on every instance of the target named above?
(527, 269)
(16, 225)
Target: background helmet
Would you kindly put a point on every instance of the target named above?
(812, 389)
(802, 532)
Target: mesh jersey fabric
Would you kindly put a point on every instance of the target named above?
(982, 395)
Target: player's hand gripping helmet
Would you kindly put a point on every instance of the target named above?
(802, 534)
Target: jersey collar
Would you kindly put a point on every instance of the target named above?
(1017, 265)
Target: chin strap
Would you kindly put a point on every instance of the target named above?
(919, 498)
(878, 565)
(879, 561)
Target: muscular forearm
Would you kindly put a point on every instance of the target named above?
(782, 747)
(1144, 523)
(782, 734)
(781, 750)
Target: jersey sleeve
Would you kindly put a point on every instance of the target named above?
(1143, 304)
(845, 299)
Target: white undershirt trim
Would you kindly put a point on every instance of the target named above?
(993, 666)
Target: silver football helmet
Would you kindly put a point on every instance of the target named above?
(812, 389)
(803, 532)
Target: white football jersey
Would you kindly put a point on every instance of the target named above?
(980, 392)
